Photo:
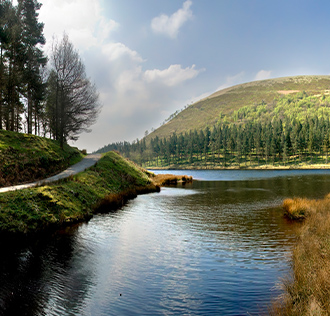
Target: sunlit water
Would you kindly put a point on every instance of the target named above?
(213, 247)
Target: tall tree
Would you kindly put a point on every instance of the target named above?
(14, 55)
(5, 6)
(32, 38)
(76, 104)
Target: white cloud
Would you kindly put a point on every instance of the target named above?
(263, 74)
(171, 76)
(170, 25)
(115, 51)
(133, 96)
(82, 20)
(232, 80)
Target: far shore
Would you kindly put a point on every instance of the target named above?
(262, 167)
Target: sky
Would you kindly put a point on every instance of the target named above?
(150, 58)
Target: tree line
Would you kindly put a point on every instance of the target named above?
(46, 96)
(277, 141)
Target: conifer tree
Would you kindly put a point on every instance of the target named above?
(32, 38)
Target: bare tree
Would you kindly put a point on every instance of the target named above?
(73, 104)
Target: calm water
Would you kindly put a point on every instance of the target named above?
(210, 248)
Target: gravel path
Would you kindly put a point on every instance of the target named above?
(88, 161)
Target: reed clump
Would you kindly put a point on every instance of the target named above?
(307, 292)
(299, 208)
(170, 179)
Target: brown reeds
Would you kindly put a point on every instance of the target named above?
(308, 291)
(170, 179)
(299, 208)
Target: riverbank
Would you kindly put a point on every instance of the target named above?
(305, 166)
(308, 292)
(105, 186)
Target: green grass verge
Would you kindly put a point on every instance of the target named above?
(25, 157)
(100, 188)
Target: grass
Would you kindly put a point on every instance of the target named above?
(105, 186)
(308, 291)
(25, 157)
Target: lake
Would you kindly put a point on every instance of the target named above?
(218, 246)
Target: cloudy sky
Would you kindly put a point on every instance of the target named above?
(149, 58)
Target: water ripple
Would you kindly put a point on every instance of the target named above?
(210, 248)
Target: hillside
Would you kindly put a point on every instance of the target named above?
(25, 158)
(208, 112)
(276, 123)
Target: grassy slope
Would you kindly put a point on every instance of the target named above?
(24, 158)
(207, 111)
(101, 187)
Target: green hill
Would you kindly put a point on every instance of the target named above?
(209, 111)
(282, 122)
(26, 158)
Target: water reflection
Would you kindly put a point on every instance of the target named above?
(45, 277)
(210, 247)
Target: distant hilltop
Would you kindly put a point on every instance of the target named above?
(224, 103)
(275, 123)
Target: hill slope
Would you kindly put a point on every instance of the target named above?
(207, 112)
(25, 157)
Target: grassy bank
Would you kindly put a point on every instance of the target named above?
(26, 158)
(309, 290)
(100, 188)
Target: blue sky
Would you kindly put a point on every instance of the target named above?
(150, 58)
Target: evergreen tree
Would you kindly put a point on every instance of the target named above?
(5, 11)
(32, 39)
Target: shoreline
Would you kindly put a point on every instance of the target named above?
(263, 167)
(101, 188)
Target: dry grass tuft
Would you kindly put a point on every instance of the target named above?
(299, 208)
(170, 179)
(309, 292)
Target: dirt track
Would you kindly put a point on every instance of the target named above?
(88, 161)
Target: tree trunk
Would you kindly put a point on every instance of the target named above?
(1, 84)
(29, 111)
